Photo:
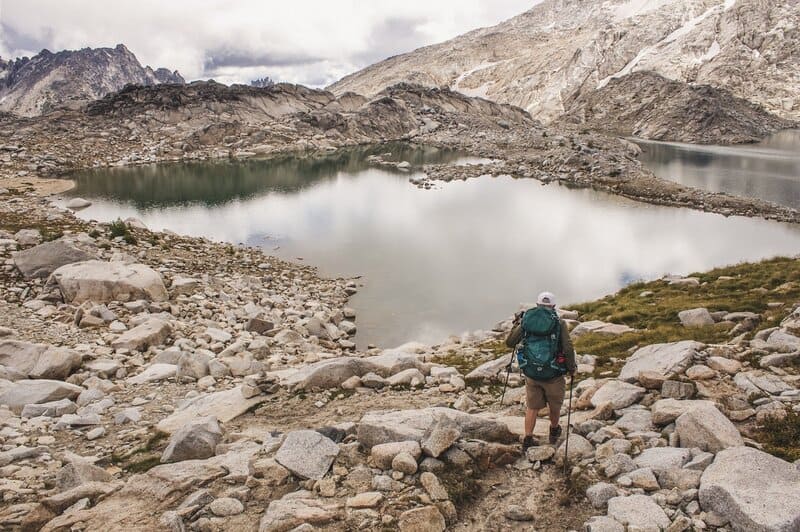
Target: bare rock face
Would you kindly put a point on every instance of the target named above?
(47, 81)
(648, 105)
(103, 282)
(541, 58)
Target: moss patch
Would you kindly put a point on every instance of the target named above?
(742, 287)
(462, 485)
(781, 436)
(142, 458)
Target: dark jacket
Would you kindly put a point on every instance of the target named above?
(515, 336)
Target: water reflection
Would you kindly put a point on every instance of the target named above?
(769, 170)
(218, 182)
(436, 262)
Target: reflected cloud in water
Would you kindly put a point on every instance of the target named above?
(769, 170)
(436, 262)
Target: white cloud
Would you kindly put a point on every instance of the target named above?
(313, 42)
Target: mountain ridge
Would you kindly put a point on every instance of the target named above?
(559, 49)
(30, 86)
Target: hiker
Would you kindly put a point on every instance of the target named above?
(544, 356)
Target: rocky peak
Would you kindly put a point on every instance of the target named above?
(540, 59)
(46, 81)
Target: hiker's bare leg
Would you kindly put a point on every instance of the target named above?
(530, 420)
(555, 414)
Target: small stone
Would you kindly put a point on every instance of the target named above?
(383, 454)
(77, 204)
(196, 440)
(95, 433)
(128, 415)
(540, 453)
(442, 434)
(677, 390)
(425, 519)
(700, 373)
(433, 487)
(698, 317)
(405, 463)
(599, 494)
(515, 512)
(226, 506)
(368, 499)
(307, 453)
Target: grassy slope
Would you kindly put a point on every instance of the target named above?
(752, 287)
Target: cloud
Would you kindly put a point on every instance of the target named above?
(312, 42)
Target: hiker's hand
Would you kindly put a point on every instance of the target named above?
(518, 316)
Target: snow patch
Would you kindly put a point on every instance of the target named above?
(627, 68)
(711, 53)
(478, 91)
(672, 37)
(633, 8)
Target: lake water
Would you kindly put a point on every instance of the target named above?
(769, 170)
(433, 262)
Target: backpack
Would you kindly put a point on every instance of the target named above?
(538, 353)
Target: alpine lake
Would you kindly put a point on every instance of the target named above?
(466, 254)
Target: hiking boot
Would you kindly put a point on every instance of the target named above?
(528, 442)
(555, 432)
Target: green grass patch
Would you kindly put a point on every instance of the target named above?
(142, 458)
(748, 287)
(781, 436)
(118, 228)
(48, 235)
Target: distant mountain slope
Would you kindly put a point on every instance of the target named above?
(645, 104)
(540, 59)
(37, 85)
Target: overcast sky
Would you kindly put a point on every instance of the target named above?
(313, 42)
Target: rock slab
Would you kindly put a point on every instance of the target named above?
(668, 359)
(754, 490)
(638, 511)
(42, 260)
(307, 454)
(103, 282)
(707, 428)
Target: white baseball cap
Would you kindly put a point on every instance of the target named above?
(546, 299)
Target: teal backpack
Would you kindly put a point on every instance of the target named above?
(541, 343)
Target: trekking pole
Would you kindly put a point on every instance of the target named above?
(569, 413)
(508, 374)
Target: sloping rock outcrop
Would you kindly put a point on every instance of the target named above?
(648, 105)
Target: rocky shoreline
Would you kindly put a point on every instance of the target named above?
(205, 120)
(152, 381)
